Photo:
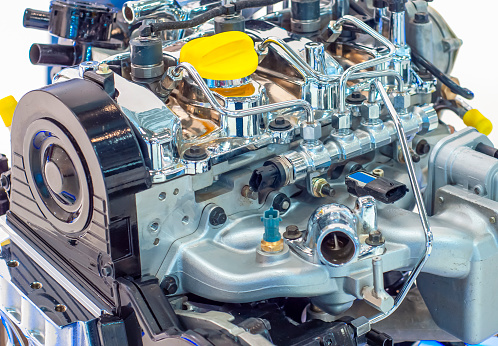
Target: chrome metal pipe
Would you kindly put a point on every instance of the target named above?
(315, 56)
(424, 218)
(398, 31)
(364, 65)
(384, 73)
(378, 276)
(135, 11)
(192, 72)
(340, 8)
(296, 60)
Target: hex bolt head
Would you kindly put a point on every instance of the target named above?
(421, 18)
(195, 153)
(169, 285)
(217, 217)
(375, 238)
(292, 232)
(280, 124)
(423, 147)
(311, 131)
(400, 100)
(370, 110)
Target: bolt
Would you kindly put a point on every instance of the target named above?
(195, 153)
(169, 285)
(421, 18)
(375, 238)
(321, 188)
(292, 232)
(280, 124)
(478, 190)
(247, 192)
(356, 98)
(422, 147)
(440, 200)
(217, 217)
(104, 69)
(492, 219)
(281, 203)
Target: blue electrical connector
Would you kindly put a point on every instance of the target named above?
(271, 220)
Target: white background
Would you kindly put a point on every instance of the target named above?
(474, 21)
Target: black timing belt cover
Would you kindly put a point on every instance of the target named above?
(76, 166)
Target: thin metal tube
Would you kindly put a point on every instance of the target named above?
(398, 33)
(383, 73)
(424, 219)
(364, 65)
(192, 72)
(297, 60)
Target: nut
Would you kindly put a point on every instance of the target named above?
(370, 110)
(344, 120)
(311, 131)
(272, 246)
(400, 100)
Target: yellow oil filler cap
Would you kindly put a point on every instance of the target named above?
(225, 56)
(7, 107)
(475, 119)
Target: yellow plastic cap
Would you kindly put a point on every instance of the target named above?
(224, 56)
(475, 119)
(7, 107)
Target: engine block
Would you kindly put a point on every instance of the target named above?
(252, 172)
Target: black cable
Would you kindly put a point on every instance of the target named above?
(204, 17)
(443, 78)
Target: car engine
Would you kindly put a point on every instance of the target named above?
(254, 172)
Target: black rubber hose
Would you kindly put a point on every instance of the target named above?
(209, 14)
(35, 19)
(53, 55)
(443, 78)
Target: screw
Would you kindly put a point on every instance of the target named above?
(169, 285)
(292, 232)
(440, 200)
(217, 217)
(492, 219)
